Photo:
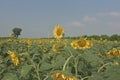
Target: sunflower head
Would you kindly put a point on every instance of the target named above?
(58, 47)
(82, 43)
(74, 44)
(58, 32)
(114, 53)
(62, 76)
(58, 76)
(14, 57)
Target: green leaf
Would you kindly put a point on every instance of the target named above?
(93, 59)
(111, 73)
(25, 70)
(60, 60)
(9, 76)
(24, 54)
(45, 66)
(95, 77)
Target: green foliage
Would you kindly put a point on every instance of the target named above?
(16, 32)
(45, 66)
(115, 37)
(105, 37)
(25, 70)
(59, 59)
(93, 59)
(111, 73)
(9, 76)
(38, 61)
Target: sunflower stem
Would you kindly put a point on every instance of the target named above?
(103, 67)
(64, 66)
(76, 63)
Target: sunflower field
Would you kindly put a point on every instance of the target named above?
(59, 58)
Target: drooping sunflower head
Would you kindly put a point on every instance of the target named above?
(14, 57)
(62, 76)
(58, 32)
(74, 44)
(82, 43)
(114, 53)
(58, 47)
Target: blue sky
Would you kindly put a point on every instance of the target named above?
(37, 18)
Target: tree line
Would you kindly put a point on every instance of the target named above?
(115, 37)
(104, 37)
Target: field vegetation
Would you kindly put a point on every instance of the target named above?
(60, 58)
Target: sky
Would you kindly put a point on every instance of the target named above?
(38, 18)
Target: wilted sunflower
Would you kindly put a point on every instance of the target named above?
(58, 47)
(74, 44)
(58, 32)
(114, 53)
(14, 58)
(62, 76)
(82, 43)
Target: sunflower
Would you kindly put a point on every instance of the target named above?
(62, 76)
(114, 53)
(58, 32)
(74, 44)
(58, 47)
(14, 58)
(82, 43)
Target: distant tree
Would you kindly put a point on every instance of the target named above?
(115, 37)
(104, 37)
(97, 37)
(16, 32)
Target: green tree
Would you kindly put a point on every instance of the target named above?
(97, 37)
(16, 32)
(104, 37)
(115, 37)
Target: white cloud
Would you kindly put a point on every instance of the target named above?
(82, 22)
(89, 19)
(115, 14)
(75, 23)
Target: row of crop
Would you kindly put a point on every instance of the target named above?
(58, 60)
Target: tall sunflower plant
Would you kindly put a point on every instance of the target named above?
(73, 51)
